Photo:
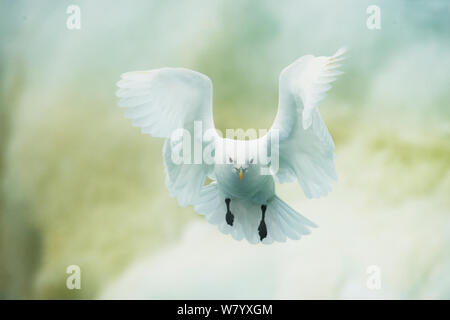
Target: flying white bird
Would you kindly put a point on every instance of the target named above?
(240, 199)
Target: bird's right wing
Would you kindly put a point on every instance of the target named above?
(306, 149)
(163, 101)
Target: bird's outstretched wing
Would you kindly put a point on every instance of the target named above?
(306, 149)
(162, 101)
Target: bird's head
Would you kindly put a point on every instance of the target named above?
(240, 169)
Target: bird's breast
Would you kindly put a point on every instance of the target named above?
(250, 186)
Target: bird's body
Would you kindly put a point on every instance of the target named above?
(241, 198)
(253, 186)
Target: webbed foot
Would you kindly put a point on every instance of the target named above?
(262, 229)
(229, 217)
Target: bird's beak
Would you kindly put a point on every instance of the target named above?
(241, 174)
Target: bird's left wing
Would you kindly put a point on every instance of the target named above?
(306, 149)
(162, 102)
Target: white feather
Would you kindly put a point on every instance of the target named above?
(281, 220)
(306, 147)
(163, 100)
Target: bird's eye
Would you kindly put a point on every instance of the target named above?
(231, 160)
(251, 160)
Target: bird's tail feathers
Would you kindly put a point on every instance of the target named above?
(281, 220)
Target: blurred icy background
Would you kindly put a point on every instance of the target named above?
(80, 186)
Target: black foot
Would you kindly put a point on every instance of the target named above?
(229, 217)
(262, 229)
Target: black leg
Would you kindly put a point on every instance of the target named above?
(262, 229)
(229, 217)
